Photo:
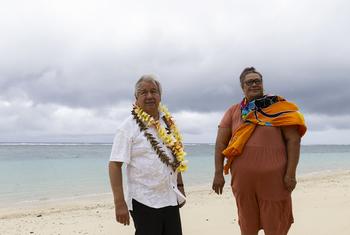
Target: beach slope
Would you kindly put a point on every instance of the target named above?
(321, 206)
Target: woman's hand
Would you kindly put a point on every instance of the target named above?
(289, 182)
(218, 183)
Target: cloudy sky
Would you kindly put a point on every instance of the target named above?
(68, 68)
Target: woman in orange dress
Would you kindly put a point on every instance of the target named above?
(260, 137)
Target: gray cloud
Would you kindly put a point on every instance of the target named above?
(61, 55)
(191, 80)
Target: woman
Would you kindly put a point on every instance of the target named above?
(260, 137)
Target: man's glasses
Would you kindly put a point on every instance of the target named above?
(251, 82)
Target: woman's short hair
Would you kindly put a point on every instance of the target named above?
(246, 71)
(147, 78)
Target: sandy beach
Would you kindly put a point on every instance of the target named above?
(321, 206)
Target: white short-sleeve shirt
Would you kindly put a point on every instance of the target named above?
(148, 180)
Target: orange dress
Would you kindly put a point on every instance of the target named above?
(257, 179)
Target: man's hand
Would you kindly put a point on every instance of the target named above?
(182, 190)
(122, 213)
(218, 183)
(289, 182)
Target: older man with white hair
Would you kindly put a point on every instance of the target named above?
(150, 145)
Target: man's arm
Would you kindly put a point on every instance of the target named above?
(116, 178)
(222, 139)
(181, 187)
(292, 139)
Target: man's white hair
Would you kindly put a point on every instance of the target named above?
(147, 78)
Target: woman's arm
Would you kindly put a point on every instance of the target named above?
(292, 139)
(222, 139)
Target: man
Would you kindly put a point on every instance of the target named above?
(149, 143)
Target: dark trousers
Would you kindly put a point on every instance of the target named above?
(151, 221)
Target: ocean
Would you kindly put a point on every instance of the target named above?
(41, 172)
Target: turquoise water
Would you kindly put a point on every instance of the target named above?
(39, 172)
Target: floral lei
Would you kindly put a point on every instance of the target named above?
(170, 136)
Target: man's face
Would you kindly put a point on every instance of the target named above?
(253, 86)
(148, 97)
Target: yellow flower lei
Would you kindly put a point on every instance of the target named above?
(172, 139)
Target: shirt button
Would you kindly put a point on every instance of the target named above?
(171, 173)
(173, 186)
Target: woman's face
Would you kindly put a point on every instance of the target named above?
(252, 86)
(148, 97)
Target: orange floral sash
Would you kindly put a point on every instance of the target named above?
(276, 111)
